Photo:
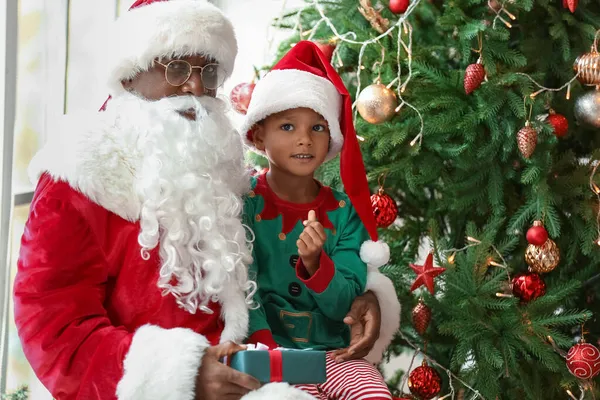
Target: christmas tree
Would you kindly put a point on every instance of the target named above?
(477, 122)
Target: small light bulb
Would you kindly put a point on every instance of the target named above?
(452, 258)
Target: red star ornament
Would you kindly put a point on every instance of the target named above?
(425, 274)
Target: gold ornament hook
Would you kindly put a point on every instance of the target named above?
(595, 45)
(381, 179)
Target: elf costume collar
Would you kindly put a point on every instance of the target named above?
(292, 213)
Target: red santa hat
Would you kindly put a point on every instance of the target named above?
(167, 28)
(305, 78)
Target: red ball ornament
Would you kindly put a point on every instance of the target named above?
(240, 97)
(385, 209)
(560, 124)
(528, 286)
(474, 77)
(425, 382)
(583, 360)
(327, 49)
(537, 234)
(399, 6)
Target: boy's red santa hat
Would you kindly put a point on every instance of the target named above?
(304, 78)
(153, 29)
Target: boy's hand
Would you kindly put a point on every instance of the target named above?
(310, 244)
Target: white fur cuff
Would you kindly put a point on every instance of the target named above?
(162, 364)
(278, 391)
(389, 305)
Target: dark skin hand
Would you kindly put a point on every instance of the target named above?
(364, 319)
(216, 381)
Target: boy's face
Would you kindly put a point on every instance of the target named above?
(295, 141)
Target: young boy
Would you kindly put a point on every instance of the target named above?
(311, 246)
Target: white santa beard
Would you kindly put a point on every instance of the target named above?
(190, 181)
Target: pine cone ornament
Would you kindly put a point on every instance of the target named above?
(570, 4)
(474, 77)
(560, 124)
(527, 140)
(421, 317)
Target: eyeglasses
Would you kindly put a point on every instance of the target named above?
(178, 72)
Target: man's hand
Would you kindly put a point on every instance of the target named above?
(216, 381)
(310, 244)
(364, 319)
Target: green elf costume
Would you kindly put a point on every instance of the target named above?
(296, 310)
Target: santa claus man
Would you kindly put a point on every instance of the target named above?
(132, 279)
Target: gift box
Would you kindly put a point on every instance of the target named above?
(288, 365)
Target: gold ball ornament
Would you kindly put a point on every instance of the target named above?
(376, 103)
(543, 259)
(587, 66)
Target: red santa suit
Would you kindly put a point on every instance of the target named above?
(93, 322)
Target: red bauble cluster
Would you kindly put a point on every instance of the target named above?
(474, 77)
(385, 209)
(560, 124)
(528, 286)
(583, 360)
(537, 234)
(399, 6)
(240, 97)
(425, 382)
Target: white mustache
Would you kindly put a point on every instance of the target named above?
(201, 106)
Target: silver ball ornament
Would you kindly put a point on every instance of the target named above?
(587, 108)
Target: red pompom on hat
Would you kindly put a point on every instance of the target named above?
(153, 29)
(305, 78)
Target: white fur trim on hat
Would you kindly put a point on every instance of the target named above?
(384, 290)
(174, 28)
(375, 254)
(287, 89)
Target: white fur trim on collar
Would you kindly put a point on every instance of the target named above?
(174, 28)
(99, 162)
(286, 89)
